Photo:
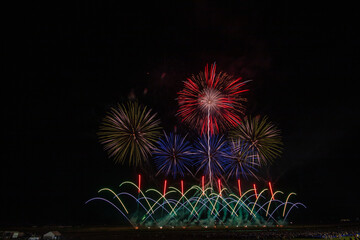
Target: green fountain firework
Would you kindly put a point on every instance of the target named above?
(199, 205)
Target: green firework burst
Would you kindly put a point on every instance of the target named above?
(129, 132)
(262, 136)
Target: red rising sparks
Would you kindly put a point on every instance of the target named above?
(255, 191)
(165, 182)
(271, 191)
(219, 183)
(139, 182)
(239, 186)
(212, 100)
(182, 187)
(203, 183)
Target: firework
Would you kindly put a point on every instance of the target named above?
(211, 102)
(262, 136)
(210, 155)
(240, 163)
(129, 132)
(173, 156)
(194, 206)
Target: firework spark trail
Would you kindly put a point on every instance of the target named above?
(261, 207)
(257, 198)
(112, 204)
(240, 199)
(183, 196)
(208, 145)
(133, 184)
(282, 204)
(287, 199)
(272, 199)
(162, 196)
(138, 201)
(108, 189)
(293, 205)
(210, 155)
(202, 195)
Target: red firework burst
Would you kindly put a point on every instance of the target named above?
(212, 101)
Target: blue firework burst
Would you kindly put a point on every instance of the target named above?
(173, 156)
(211, 155)
(241, 160)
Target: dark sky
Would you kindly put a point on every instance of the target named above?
(67, 64)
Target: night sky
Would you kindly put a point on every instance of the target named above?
(67, 64)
